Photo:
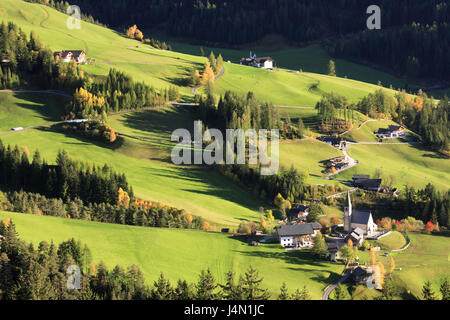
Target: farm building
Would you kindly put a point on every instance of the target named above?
(296, 235)
(70, 55)
(392, 131)
(262, 62)
(298, 213)
(354, 219)
(368, 184)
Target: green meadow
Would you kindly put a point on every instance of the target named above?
(307, 155)
(164, 68)
(199, 190)
(181, 254)
(409, 164)
(28, 109)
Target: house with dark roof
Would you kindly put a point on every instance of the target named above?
(368, 184)
(334, 245)
(70, 55)
(393, 131)
(262, 62)
(297, 214)
(354, 219)
(356, 236)
(298, 235)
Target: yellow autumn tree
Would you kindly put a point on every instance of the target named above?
(208, 74)
(123, 198)
(112, 136)
(382, 273)
(131, 31)
(373, 259)
(391, 264)
(263, 223)
(205, 226)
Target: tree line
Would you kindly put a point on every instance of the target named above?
(118, 92)
(427, 204)
(127, 213)
(238, 112)
(67, 179)
(29, 273)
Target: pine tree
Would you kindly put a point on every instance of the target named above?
(445, 289)
(427, 291)
(284, 294)
(252, 286)
(206, 287)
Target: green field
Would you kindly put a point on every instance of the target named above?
(163, 68)
(393, 241)
(409, 164)
(312, 58)
(201, 191)
(181, 254)
(307, 155)
(427, 258)
(29, 109)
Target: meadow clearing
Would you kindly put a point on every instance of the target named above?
(181, 254)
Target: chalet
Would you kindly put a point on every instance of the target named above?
(298, 213)
(70, 55)
(356, 236)
(334, 245)
(331, 140)
(296, 235)
(262, 62)
(361, 275)
(368, 184)
(392, 131)
(354, 219)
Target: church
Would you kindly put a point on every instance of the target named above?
(358, 219)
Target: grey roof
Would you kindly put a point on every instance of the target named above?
(295, 229)
(368, 183)
(361, 176)
(263, 59)
(335, 244)
(358, 231)
(316, 225)
(360, 217)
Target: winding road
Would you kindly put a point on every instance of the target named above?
(331, 287)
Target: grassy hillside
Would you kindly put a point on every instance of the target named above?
(409, 164)
(29, 109)
(312, 58)
(200, 190)
(393, 241)
(181, 253)
(307, 155)
(162, 68)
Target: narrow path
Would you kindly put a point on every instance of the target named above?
(331, 287)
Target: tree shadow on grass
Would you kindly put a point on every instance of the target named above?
(302, 261)
(159, 122)
(50, 107)
(213, 184)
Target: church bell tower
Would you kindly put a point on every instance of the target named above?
(348, 214)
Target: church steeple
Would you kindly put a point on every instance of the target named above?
(348, 213)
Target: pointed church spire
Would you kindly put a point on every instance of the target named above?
(349, 203)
